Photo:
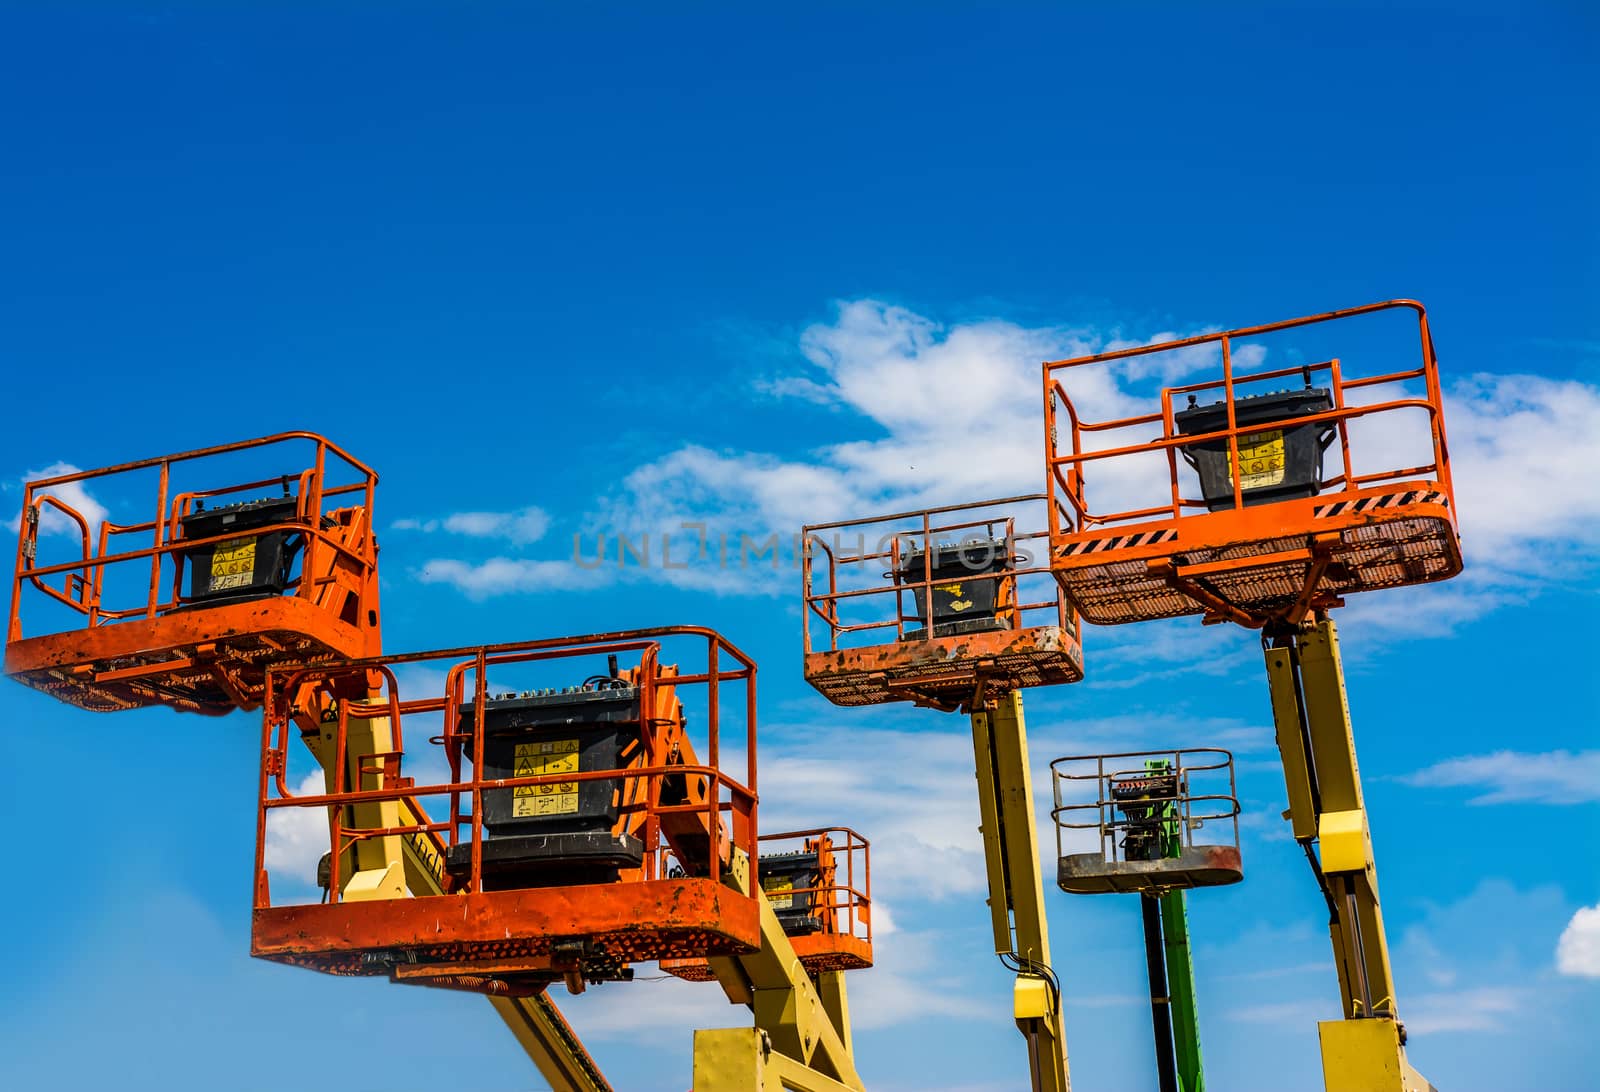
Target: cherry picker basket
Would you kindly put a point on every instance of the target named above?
(1141, 811)
(252, 555)
(819, 884)
(925, 606)
(1265, 493)
(567, 831)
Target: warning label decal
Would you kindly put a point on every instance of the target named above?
(233, 564)
(557, 756)
(1261, 460)
(774, 886)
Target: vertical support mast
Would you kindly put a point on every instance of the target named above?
(1180, 988)
(1364, 1052)
(1160, 993)
(1174, 1012)
(1016, 889)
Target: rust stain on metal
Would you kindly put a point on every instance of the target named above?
(909, 670)
(655, 919)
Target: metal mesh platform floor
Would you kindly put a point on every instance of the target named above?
(1389, 541)
(627, 922)
(817, 952)
(204, 660)
(945, 669)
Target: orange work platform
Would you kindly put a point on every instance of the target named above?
(189, 607)
(819, 884)
(514, 938)
(1230, 512)
(498, 840)
(929, 606)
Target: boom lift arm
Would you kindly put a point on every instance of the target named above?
(418, 861)
(1364, 1052)
(800, 1038)
(961, 620)
(1016, 888)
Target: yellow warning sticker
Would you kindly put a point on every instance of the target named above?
(774, 886)
(955, 602)
(233, 564)
(556, 756)
(1261, 460)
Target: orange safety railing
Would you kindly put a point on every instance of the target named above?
(844, 569)
(828, 922)
(665, 795)
(1276, 533)
(885, 596)
(1068, 471)
(83, 579)
(841, 900)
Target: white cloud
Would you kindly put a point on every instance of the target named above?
(521, 527)
(1550, 777)
(883, 922)
(73, 494)
(298, 837)
(1124, 657)
(1523, 451)
(952, 414)
(1483, 980)
(1482, 1009)
(1283, 1014)
(656, 1010)
(910, 979)
(503, 575)
(943, 414)
(595, 566)
(912, 793)
(1578, 950)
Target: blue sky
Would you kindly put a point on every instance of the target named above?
(555, 271)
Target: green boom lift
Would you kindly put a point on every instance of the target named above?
(1144, 812)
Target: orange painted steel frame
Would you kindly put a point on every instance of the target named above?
(844, 942)
(201, 659)
(938, 671)
(507, 936)
(1416, 517)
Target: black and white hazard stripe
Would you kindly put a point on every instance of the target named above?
(1118, 542)
(1387, 500)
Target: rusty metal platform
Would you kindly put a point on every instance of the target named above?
(946, 669)
(818, 952)
(205, 660)
(131, 636)
(629, 922)
(1196, 866)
